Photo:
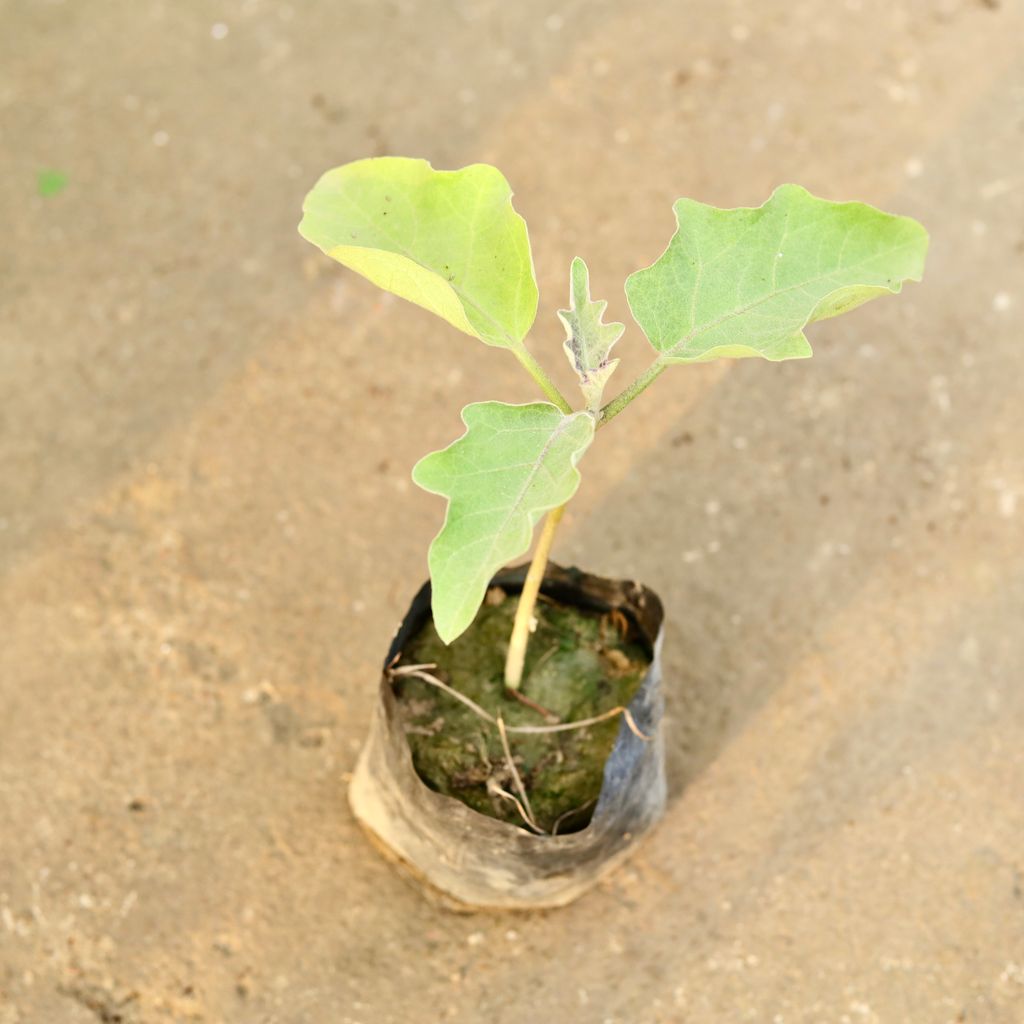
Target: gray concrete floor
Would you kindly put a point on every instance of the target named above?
(208, 531)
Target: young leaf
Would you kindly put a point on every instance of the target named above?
(447, 240)
(513, 464)
(746, 282)
(589, 341)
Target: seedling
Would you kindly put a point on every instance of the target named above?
(733, 283)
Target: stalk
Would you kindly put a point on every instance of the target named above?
(621, 400)
(516, 658)
(547, 385)
(528, 600)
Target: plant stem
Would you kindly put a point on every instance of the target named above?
(623, 398)
(516, 658)
(528, 600)
(547, 385)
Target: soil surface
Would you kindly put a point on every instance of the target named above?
(580, 665)
(208, 531)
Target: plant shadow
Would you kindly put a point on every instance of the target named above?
(765, 513)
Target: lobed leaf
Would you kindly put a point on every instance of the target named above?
(513, 464)
(589, 342)
(745, 282)
(448, 241)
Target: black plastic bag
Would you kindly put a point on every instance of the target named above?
(479, 861)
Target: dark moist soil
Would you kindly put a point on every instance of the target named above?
(579, 664)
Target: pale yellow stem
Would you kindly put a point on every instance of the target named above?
(528, 601)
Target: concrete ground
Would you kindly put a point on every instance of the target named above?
(207, 529)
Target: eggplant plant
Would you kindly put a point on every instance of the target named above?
(732, 284)
(433, 783)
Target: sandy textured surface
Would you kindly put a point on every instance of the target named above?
(208, 531)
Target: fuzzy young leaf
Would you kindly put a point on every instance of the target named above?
(449, 241)
(513, 464)
(588, 342)
(745, 282)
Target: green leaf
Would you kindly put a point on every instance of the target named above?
(746, 282)
(589, 341)
(447, 240)
(513, 464)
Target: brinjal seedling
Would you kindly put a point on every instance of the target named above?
(733, 283)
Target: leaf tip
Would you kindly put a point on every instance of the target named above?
(445, 632)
